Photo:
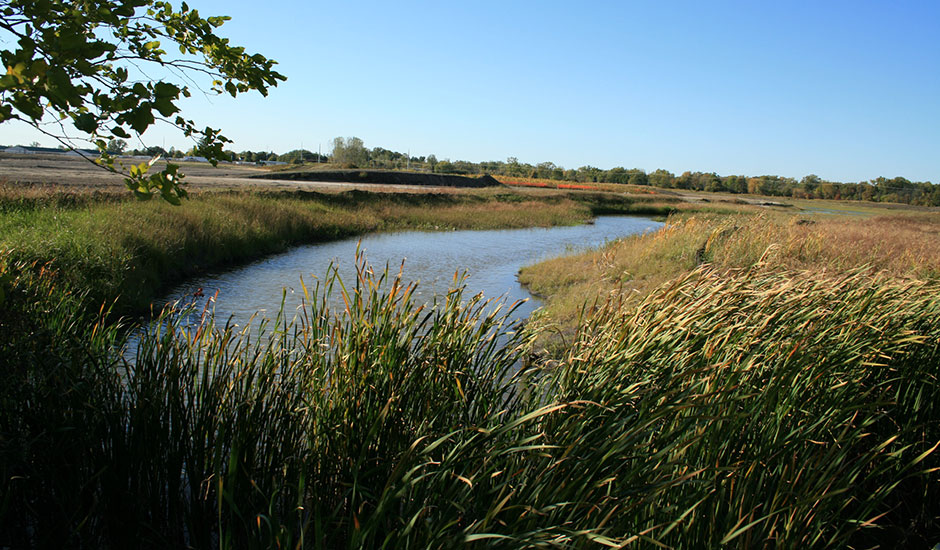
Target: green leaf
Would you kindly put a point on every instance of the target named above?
(8, 81)
(86, 122)
(27, 105)
(165, 106)
(165, 89)
(141, 118)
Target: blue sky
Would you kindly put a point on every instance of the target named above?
(846, 90)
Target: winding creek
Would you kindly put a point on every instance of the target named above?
(490, 259)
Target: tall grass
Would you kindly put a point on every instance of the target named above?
(798, 408)
(740, 408)
(213, 437)
(903, 246)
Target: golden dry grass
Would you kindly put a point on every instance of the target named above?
(901, 246)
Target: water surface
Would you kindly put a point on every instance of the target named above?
(490, 260)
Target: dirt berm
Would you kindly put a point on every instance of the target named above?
(384, 177)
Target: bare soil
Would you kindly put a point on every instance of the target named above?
(74, 173)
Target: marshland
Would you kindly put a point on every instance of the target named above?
(744, 376)
(692, 300)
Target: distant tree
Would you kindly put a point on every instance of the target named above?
(662, 178)
(714, 184)
(297, 156)
(154, 151)
(350, 151)
(683, 180)
(735, 184)
(617, 174)
(588, 174)
(638, 177)
(116, 146)
(544, 170)
(445, 167)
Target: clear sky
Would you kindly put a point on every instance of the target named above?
(846, 90)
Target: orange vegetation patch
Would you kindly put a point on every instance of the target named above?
(576, 186)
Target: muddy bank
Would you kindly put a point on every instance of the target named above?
(383, 177)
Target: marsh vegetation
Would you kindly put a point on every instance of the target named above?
(736, 380)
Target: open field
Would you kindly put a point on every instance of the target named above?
(751, 376)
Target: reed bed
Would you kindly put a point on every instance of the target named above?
(798, 408)
(289, 432)
(735, 408)
(901, 245)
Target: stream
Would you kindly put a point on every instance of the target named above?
(490, 260)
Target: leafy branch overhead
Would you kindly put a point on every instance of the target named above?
(85, 65)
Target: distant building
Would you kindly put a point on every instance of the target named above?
(22, 150)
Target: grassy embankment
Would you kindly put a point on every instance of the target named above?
(112, 247)
(772, 404)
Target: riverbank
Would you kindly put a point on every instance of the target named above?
(904, 245)
(116, 249)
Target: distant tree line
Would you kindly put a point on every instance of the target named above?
(297, 156)
(351, 152)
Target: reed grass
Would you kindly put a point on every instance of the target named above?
(902, 245)
(735, 408)
(214, 436)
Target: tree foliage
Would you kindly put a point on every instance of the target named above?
(84, 65)
(350, 151)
